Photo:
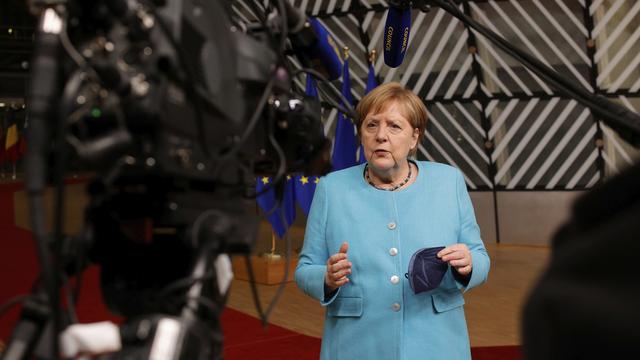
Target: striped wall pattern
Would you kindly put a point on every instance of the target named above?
(489, 116)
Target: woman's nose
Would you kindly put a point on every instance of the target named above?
(381, 134)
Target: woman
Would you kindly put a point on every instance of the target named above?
(365, 224)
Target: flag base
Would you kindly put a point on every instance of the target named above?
(272, 256)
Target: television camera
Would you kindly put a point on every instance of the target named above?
(174, 108)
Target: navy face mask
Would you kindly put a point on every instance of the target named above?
(426, 270)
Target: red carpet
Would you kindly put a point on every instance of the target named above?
(496, 353)
(244, 336)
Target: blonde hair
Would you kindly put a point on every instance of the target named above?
(412, 108)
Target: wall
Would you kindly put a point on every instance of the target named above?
(524, 217)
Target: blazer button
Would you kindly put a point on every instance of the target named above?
(391, 225)
(393, 251)
(395, 279)
(395, 306)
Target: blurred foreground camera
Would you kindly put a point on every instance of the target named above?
(175, 111)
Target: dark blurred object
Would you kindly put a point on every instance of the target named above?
(312, 43)
(586, 304)
(174, 110)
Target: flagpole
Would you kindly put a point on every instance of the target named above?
(271, 255)
(372, 57)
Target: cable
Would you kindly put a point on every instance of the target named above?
(626, 123)
(348, 109)
(254, 288)
(71, 50)
(250, 126)
(263, 191)
(285, 30)
(71, 302)
(61, 156)
(200, 266)
(206, 302)
(264, 315)
(279, 174)
(281, 46)
(197, 223)
(7, 305)
(281, 62)
(282, 168)
(285, 276)
(183, 283)
(76, 290)
(275, 207)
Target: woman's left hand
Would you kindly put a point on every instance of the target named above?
(458, 256)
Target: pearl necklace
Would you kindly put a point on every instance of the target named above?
(406, 180)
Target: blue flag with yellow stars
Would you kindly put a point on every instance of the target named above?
(372, 83)
(345, 145)
(268, 201)
(305, 188)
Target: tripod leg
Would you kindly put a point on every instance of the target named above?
(33, 319)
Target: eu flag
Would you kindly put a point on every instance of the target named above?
(372, 83)
(268, 201)
(345, 146)
(305, 187)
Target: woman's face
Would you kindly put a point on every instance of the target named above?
(387, 137)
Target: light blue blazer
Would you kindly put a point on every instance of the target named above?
(375, 316)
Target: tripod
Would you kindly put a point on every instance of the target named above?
(168, 277)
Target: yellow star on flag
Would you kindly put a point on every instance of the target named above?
(265, 180)
(304, 180)
(317, 180)
(288, 177)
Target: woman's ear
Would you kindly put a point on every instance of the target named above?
(416, 136)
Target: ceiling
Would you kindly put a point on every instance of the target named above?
(16, 43)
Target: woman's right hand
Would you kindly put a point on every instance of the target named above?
(338, 267)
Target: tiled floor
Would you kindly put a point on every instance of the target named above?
(493, 310)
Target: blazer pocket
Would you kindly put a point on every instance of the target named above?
(346, 307)
(446, 301)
